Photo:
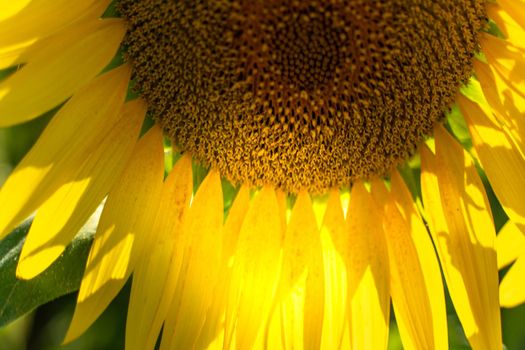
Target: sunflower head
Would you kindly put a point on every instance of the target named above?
(286, 99)
(301, 95)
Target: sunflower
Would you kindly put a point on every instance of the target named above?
(313, 118)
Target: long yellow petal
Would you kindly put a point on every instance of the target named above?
(301, 290)
(63, 214)
(232, 226)
(415, 277)
(71, 136)
(510, 244)
(512, 30)
(368, 272)
(335, 253)
(125, 226)
(151, 273)
(172, 285)
(33, 50)
(314, 285)
(52, 79)
(202, 262)
(501, 159)
(214, 324)
(512, 287)
(463, 232)
(506, 59)
(41, 18)
(516, 8)
(427, 257)
(255, 272)
(506, 104)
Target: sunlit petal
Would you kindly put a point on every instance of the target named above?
(510, 244)
(300, 294)
(52, 79)
(367, 272)
(151, 273)
(416, 286)
(256, 267)
(200, 269)
(37, 19)
(463, 233)
(335, 255)
(213, 332)
(512, 29)
(125, 226)
(71, 136)
(502, 161)
(506, 104)
(61, 216)
(512, 288)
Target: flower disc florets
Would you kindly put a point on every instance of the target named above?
(300, 94)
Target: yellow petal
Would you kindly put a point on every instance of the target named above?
(516, 8)
(427, 257)
(53, 78)
(284, 327)
(63, 214)
(172, 287)
(215, 317)
(12, 56)
(463, 232)
(368, 273)
(510, 244)
(125, 226)
(11, 8)
(232, 226)
(71, 136)
(507, 105)
(300, 242)
(335, 252)
(202, 261)
(512, 30)
(255, 271)
(505, 58)
(151, 273)
(36, 49)
(283, 209)
(512, 288)
(40, 18)
(301, 288)
(314, 285)
(501, 160)
(415, 277)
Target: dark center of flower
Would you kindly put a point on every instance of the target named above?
(300, 94)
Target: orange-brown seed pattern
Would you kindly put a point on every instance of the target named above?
(300, 94)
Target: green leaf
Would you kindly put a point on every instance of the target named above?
(18, 297)
(459, 128)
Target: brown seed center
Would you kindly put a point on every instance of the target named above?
(300, 94)
(307, 51)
